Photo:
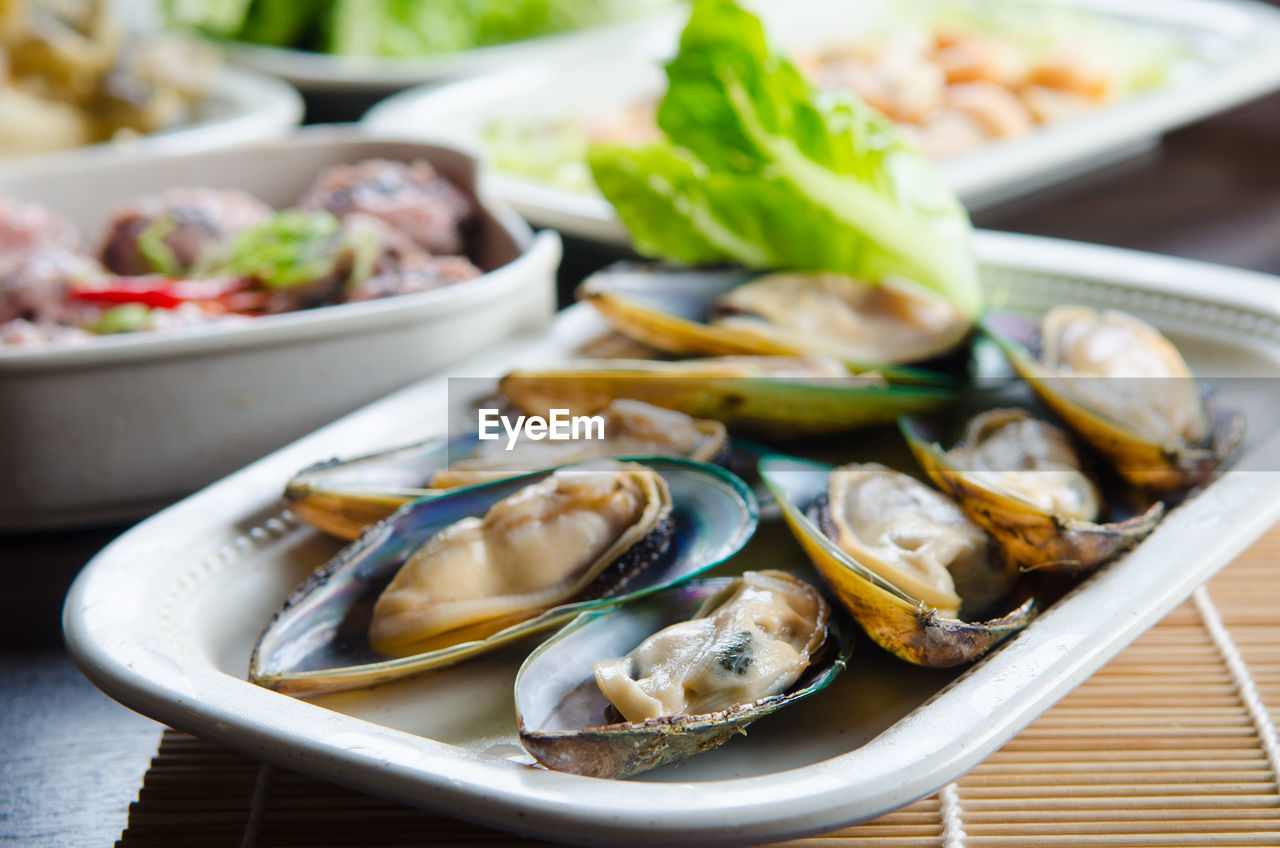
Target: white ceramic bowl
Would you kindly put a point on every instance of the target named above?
(243, 106)
(117, 428)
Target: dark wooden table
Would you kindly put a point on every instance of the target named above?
(71, 760)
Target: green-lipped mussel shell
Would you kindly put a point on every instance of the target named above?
(1143, 463)
(1036, 539)
(771, 406)
(900, 624)
(345, 497)
(561, 710)
(669, 310)
(318, 642)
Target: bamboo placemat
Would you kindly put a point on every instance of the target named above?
(1171, 744)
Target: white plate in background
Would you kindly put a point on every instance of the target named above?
(327, 73)
(1233, 55)
(163, 619)
(242, 106)
(120, 426)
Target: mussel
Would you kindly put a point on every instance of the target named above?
(576, 533)
(865, 325)
(782, 397)
(345, 497)
(906, 562)
(1021, 479)
(446, 578)
(1126, 390)
(655, 681)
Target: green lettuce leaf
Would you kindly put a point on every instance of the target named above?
(282, 23)
(125, 318)
(395, 28)
(762, 169)
(212, 17)
(152, 246)
(403, 28)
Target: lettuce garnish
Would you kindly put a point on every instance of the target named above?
(291, 248)
(761, 168)
(154, 249)
(125, 318)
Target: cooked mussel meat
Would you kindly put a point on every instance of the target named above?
(867, 325)
(1126, 390)
(1148, 385)
(752, 640)
(1022, 480)
(835, 315)
(1031, 459)
(548, 543)
(914, 537)
(910, 566)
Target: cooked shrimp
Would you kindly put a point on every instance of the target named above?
(979, 60)
(1051, 105)
(998, 110)
(950, 134)
(1071, 73)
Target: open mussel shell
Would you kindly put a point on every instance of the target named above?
(1034, 537)
(344, 497)
(319, 641)
(562, 711)
(903, 625)
(768, 405)
(672, 311)
(1139, 460)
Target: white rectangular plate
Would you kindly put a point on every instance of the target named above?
(164, 618)
(1233, 55)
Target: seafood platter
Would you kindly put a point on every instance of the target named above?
(876, 653)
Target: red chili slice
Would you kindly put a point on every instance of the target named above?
(155, 291)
